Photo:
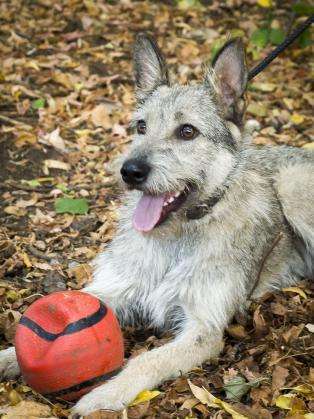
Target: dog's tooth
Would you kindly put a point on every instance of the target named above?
(177, 194)
(171, 199)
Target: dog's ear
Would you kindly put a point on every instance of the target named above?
(149, 66)
(231, 78)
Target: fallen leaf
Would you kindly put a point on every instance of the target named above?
(292, 333)
(257, 109)
(306, 389)
(211, 401)
(100, 117)
(21, 203)
(71, 206)
(264, 3)
(145, 396)
(55, 164)
(189, 404)
(237, 331)
(236, 388)
(26, 259)
(264, 87)
(64, 79)
(27, 409)
(15, 210)
(54, 138)
(278, 309)
(310, 327)
(187, 4)
(297, 118)
(24, 139)
(279, 377)
(12, 319)
(38, 103)
(297, 290)
(259, 321)
(291, 402)
(82, 274)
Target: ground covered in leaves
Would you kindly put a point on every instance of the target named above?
(65, 101)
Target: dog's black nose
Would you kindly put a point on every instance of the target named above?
(134, 172)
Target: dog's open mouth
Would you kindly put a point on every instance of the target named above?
(152, 210)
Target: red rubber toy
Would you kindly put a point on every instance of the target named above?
(68, 343)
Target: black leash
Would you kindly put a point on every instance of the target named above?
(281, 47)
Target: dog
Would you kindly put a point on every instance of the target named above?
(209, 221)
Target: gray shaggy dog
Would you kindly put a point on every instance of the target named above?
(208, 222)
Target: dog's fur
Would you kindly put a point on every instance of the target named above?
(194, 274)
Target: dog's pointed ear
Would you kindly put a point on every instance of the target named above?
(231, 77)
(150, 68)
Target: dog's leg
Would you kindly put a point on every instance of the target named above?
(9, 368)
(110, 287)
(189, 349)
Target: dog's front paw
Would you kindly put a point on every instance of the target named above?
(9, 368)
(105, 397)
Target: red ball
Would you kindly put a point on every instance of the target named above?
(68, 343)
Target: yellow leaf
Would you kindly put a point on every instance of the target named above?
(303, 389)
(297, 118)
(264, 87)
(145, 396)
(257, 109)
(291, 402)
(297, 290)
(26, 260)
(14, 397)
(25, 138)
(207, 398)
(285, 401)
(264, 3)
(309, 146)
(32, 64)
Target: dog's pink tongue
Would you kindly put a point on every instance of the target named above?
(148, 212)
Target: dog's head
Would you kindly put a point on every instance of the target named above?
(182, 148)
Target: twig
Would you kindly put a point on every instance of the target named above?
(14, 122)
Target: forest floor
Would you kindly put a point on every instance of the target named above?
(66, 95)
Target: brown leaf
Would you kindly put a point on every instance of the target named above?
(11, 322)
(237, 331)
(278, 309)
(259, 322)
(27, 409)
(100, 117)
(102, 415)
(293, 333)
(138, 411)
(261, 394)
(279, 377)
(15, 210)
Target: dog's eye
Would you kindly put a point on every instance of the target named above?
(188, 132)
(141, 127)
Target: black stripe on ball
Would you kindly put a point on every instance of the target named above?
(84, 384)
(74, 327)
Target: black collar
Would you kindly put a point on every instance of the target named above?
(205, 207)
(199, 211)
